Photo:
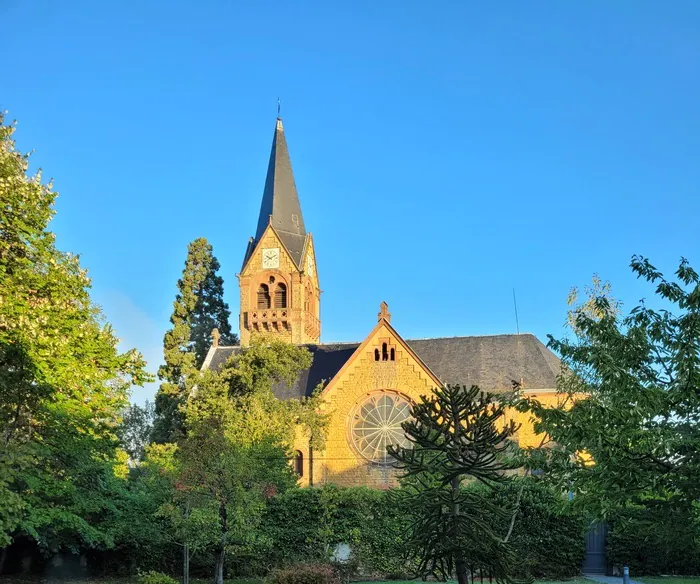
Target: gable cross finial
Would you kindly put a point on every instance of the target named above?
(279, 107)
(384, 313)
(215, 336)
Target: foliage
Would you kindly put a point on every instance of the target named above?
(227, 483)
(153, 577)
(632, 435)
(456, 434)
(305, 525)
(248, 379)
(654, 541)
(235, 454)
(135, 430)
(62, 380)
(590, 306)
(548, 535)
(199, 308)
(305, 574)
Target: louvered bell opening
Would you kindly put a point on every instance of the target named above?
(281, 296)
(263, 297)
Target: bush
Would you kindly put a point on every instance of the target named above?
(305, 574)
(548, 536)
(305, 525)
(154, 577)
(654, 541)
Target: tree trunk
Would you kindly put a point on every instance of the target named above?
(185, 564)
(219, 577)
(3, 555)
(460, 564)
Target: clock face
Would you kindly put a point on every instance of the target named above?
(271, 258)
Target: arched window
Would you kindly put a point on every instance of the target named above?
(376, 354)
(299, 463)
(281, 296)
(385, 352)
(392, 355)
(263, 297)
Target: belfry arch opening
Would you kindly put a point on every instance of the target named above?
(264, 297)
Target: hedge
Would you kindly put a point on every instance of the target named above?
(654, 541)
(305, 525)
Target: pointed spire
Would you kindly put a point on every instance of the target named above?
(280, 203)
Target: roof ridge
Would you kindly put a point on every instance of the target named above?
(475, 336)
(327, 343)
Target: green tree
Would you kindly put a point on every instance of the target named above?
(228, 471)
(199, 308)
(135, 430)
(632, 434)
(62, 380)
(457, 434)
(237, 449)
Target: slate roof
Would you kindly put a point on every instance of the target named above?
(491, 362)
(281, 200)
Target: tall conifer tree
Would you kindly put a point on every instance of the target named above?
(199, 308)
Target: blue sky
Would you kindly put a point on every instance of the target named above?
(445, 152)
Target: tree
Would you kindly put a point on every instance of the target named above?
(237, 449)
(226, 476)
(199, 308)
(457, 434)
(62, 380)
(632, 434)
(136, 428)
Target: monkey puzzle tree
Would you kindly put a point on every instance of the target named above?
(457, 434)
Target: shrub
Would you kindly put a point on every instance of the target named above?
(654, 541)
(154, 577)
(547, 536)
(305, 574)
(306, 525)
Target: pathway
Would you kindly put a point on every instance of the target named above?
(607, 579)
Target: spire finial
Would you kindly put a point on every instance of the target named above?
(384, 312)
(279, 107)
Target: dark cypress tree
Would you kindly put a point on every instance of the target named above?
(457, 434)
(199, 308)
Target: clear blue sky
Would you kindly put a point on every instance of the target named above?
(444, 152)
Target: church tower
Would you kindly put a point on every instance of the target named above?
(279, 287)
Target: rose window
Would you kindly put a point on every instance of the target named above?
(376, 424)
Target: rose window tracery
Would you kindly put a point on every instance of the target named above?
(376, 424)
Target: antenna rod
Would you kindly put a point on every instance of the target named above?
(515, 305)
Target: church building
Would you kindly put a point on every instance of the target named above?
(368, 386)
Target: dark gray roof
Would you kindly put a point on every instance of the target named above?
(491, 362)
(280, 199)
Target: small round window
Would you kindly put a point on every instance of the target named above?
(376, 423)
